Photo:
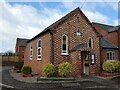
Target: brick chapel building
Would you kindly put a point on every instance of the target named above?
(72, 39)
(20, 48)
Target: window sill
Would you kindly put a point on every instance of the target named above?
(64, 54)
(110, 60)
(39, 59)
(30, 59)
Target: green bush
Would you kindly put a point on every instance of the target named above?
(49, 70)
(26, 69)
(16, 66)
(112, 67)
(64, 69)
(116, 66)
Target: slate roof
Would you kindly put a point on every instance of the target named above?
(108, 28)
(107, 44)
(22, 41)
(104, 44)
(78, 46)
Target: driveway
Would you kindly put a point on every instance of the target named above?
(12, 84)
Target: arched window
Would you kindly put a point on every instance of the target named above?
(64, 44)
(39, 50)
(31, 51)
(90, 42)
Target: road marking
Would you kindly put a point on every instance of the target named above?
(4, 85)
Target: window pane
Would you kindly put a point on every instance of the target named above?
(30, 46)
(39, 43)
(110, 56)
(39, 56)
(90, 43)
(107, 56)
(64, 46)
(39, 53)
(64, 39)
(30, 52)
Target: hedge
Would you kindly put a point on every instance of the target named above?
(49, 70)
(26, 69)
(111, 67)
(64, 69)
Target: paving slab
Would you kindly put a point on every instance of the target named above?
(70, 84)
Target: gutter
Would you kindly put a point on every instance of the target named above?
(52, 46)
(100, 54)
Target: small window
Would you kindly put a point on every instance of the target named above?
(110, 55)
(39, 50)
(64, 44)
(31, 51)
(78, 20)
(90, 42)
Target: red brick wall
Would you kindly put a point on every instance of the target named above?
(69, 27)
(103, 54)
(21, 54)
(111, 37)
(46, 53)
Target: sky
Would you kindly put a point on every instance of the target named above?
(27, 19)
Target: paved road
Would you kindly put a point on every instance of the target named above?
(86, 85)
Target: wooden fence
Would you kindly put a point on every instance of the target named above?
(8, 60)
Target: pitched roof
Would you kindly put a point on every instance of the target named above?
(61, 20)
(54, 24)
(107, 44)
(78, 46)
(104, 44)
(108, 28)
(22, 41)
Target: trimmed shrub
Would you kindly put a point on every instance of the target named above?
(107, 66)
(16, 66)
(26, 69)
(116, 66)
(112, 67)
(64, 69)
(49, 70)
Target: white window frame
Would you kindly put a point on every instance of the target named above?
(112, 55)
(40, 50)
(91, 42)
(66, 51)
(31, 50)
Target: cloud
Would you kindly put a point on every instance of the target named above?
(23, 21)
(113, 5)
(96, 17)
(117, 22)
(26, 21)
